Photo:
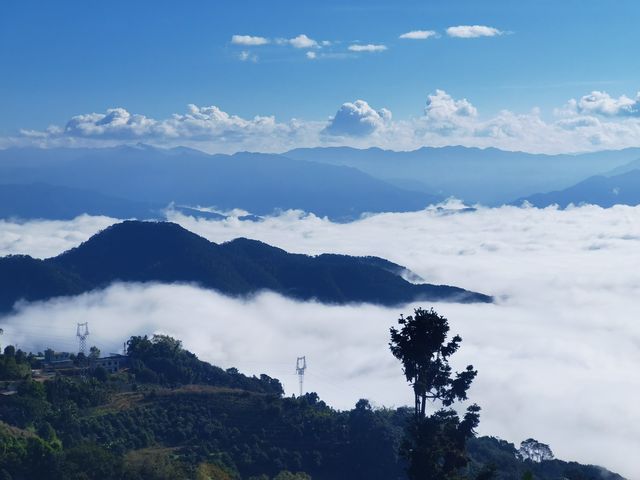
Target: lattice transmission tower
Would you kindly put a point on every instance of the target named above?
(82, 332)
(301, 366)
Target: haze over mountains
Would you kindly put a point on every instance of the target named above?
(136, 251)
(340, 183)
(259, 183)
(605, 191)
(489, 176)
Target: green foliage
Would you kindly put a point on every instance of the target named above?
(435, 445)
(14, 365)
(161, 359)
(69, 428)
(153, 464)
(420, 345)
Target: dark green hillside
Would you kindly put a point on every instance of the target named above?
(165, 252)
(26, 278)
(172, 416)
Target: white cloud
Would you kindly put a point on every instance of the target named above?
(302, 41)
(418, 35)
(367, 48)
(566, 318)
(116, 123)
(442, 106)
(594, 122)
(601, 103)
(200, 127)
(248, 40)
(473, 31)
(357, 119)
(47, 238)
(246, 56)
(311, 55)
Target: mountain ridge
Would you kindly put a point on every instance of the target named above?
(602, 190)
(260, 183)
(134, 251)
(490, 176)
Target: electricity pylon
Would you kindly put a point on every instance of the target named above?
(82, 332)
(301, 366)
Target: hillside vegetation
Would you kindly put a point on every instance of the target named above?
(172, 416)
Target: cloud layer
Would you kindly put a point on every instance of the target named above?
(595, 121)
(565, 323)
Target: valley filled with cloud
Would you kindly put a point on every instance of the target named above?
(555, 352)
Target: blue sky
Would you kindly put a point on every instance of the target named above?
(61, 59)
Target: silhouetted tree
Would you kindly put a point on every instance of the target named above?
(435, 445)
(9, 351)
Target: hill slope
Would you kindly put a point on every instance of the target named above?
(187, 417)
(135, 251)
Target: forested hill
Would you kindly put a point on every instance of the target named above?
(170, 416)
(165, 252)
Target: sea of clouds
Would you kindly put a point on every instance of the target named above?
(557, 354)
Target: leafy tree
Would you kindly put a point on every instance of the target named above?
(94, 352)
(435, 445)
(420, 346)
(531, 449)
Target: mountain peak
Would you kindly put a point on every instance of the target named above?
(135, 251)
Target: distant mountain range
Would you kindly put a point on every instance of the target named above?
(135, 251)
(341, 183)
(259, 183)
(40, 200)
(488, 176)
(605, 191)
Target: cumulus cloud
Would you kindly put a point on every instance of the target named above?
(311, 55)
(116, 123)
(594, 122)
(601, 103)
(199, 127)
(370, 47)
(418, 35)
(473, 31)
(249, 40)
(302, 41)
(566, 318)
(442, 106)
(357, 119)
